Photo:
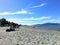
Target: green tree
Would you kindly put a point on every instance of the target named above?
(3, 22)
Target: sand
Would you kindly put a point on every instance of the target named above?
(26, 35)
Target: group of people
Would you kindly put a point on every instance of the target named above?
(12, 28)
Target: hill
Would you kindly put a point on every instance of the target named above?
(4, 22)
(48, 26)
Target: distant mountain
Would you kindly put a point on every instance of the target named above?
(48, 26)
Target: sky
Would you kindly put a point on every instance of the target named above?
(29, 12)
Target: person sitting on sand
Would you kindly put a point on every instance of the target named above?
(12, 28)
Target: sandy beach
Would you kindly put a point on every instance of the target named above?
(29, 36)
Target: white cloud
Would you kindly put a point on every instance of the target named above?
(12, 20)
(40, 18)
(48, 21)
(31, 20)
(42, 4)
(22, 11)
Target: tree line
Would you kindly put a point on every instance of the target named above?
(4, 22)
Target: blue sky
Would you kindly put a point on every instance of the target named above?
(28, 12)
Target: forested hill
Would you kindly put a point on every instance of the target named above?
(4, 22)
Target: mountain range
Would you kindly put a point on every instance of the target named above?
(48, 26)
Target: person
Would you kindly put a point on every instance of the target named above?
(12, 28)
